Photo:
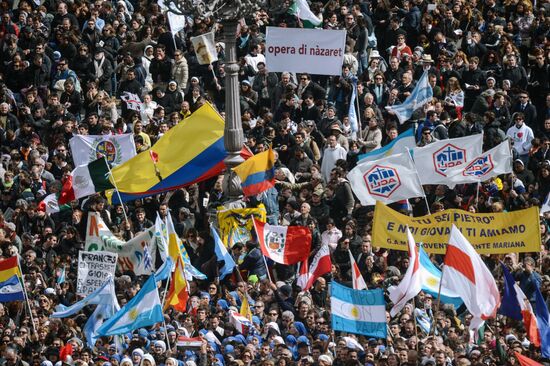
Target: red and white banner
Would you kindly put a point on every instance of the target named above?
(356, 277)
(315, 51)
(189, 342)
(411, 284)
(466, 274)
(284, 244)
(320, 265)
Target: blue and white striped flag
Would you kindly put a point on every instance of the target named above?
(421, 94)
(359, 312)
(222, 254)
(401, 144)
(61, 277)
(107, 306)
(142, 311)
(352, 113)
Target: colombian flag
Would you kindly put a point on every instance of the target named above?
(257, 173)
(10, 284)
(188, 153)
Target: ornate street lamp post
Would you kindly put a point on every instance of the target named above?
(228, 13)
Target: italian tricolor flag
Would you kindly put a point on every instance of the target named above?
(301, 9)
(86, 180)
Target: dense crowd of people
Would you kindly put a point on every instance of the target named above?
(64, 66)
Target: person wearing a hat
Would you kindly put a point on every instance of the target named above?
(102, 70)
(482, 102)
(173, 97)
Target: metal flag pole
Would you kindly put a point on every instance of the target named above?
(438, 299)
(26, 295)
(419, 182)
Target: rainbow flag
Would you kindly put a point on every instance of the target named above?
(257, 173)
(10, 281)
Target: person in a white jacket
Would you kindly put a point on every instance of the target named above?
(332, 153)
(522, 136)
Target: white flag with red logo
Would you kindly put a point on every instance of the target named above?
(284, 244)
(411, 284)
(491, 163)
(320, 265)
(435, 161)
(390, 179)
(356, 277)
(466, 275)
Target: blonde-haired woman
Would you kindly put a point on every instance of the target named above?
(107, 106)
(454, 97)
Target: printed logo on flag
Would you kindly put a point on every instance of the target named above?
(479, 167)
(382, 181)
(275, 241)
(108, 148)
(448, 157)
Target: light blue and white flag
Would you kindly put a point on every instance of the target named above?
(360, 312)
(431, 276)
(401, 144)
(164, 270)
(11, 290)
(421, 94)
(142, 311)
(222, 254)
(102, 312)
(107, 306)
(352, 113)
(423, 320)
(102, 295)
(61, 277)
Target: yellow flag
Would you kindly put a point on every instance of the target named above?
(245, 308)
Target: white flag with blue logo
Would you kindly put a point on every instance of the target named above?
(142, 311)
(358, 311)
(421, 94)
(401, 144)
(439, 158)
(387, 180)
(491, 163)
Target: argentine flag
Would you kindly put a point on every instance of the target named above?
(359, 312)
(403, 143)
(431, 277)
(222, 254)
(142, 311)
(421, 94)
(107, 305)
